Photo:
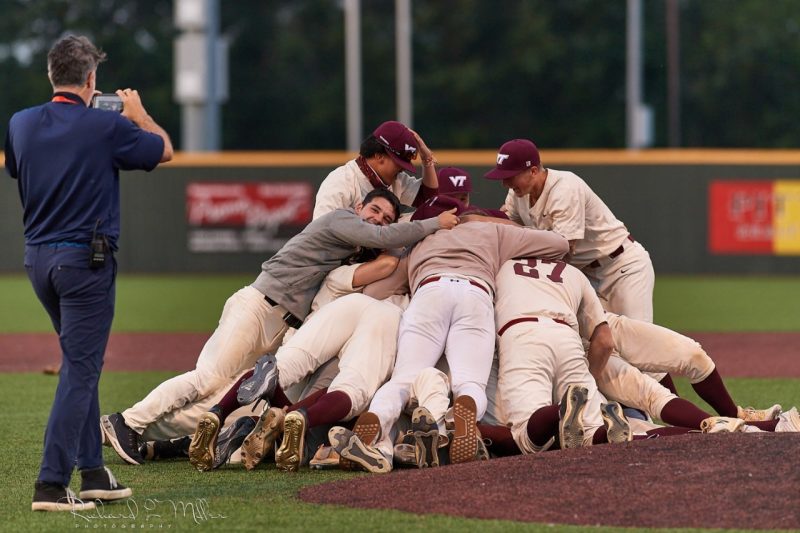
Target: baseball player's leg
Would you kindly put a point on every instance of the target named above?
(248, 327)
(653, 348)
(421, 338)
(571, 368)
(367, 358)
(432, 391)
(626, 284)
(321, 338)
(470, 345)
(494, 412)
(525, 384)
(622, 382)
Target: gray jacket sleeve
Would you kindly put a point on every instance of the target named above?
(353, 230)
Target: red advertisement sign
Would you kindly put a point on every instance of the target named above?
(248, 204)
(245, 217)
(741, 217)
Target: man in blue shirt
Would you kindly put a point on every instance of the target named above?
(66, 158)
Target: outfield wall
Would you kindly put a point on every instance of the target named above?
(663, 196)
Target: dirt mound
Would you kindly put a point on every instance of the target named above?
(744, 481)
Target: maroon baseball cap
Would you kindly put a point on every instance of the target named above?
(514, 157)
(435, 206)
(454, 180)
(399, 142)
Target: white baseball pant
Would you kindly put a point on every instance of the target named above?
(622, 382)
(538, 361)
(360, 331)
(450, 315)
(625, 283)
(652, 348)
(248, 328)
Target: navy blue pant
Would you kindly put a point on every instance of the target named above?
(80, 302)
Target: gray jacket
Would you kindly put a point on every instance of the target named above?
(294, 275)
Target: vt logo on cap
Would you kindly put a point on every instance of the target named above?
(514, 157)
(399, 142)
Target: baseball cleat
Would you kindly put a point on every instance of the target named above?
(262, 383)
(426, 438)
(617, 427)
(325, 458)
(722, 424)
(154, 450)
(788, 421)
(204, 442)
(464, 446)
(348, 445)
(261, 440)
(750, 414)
(570, 428)
(483, 452)
(231, 439)
(289, 456)
(367, 428)
(123, 439)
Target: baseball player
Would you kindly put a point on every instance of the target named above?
(452, 277)
(255, 319)
(600, 245)
(384, 162)
(456, 183)
(542, 309)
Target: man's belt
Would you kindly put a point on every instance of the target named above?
(612, 255)
(290, 320)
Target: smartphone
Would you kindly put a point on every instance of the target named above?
(109, 102)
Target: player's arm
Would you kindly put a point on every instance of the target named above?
(601, 344)
(510, 207)
(429, 177)
(349, 228)
(395, 283)
(377, 269)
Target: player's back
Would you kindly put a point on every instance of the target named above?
(540, 288)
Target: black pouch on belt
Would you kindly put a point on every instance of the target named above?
(97, 249)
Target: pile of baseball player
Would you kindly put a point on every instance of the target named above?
(405, 326)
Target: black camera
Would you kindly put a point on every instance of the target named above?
(108, 102)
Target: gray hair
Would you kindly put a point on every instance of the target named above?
(71, 59)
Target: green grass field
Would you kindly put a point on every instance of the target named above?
(265, 499)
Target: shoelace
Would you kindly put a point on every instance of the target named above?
(112, 481)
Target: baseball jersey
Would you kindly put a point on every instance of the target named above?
(550, 289)
(478, 249)
(568, 206)
(346, 186)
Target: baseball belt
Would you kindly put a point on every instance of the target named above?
(530, 319)
(612, 255)
(290, 320)
(437, 278)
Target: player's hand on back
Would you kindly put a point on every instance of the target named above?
(448, 219)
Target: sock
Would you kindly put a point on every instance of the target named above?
(543, 424)
(680, 412)
(278, 398)
(502, 443)
(667, 382)
(308, 401)
(229, 403)
(666, 432)
(600, 436)
(765, 425)
(330, 408)
(713, 391)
